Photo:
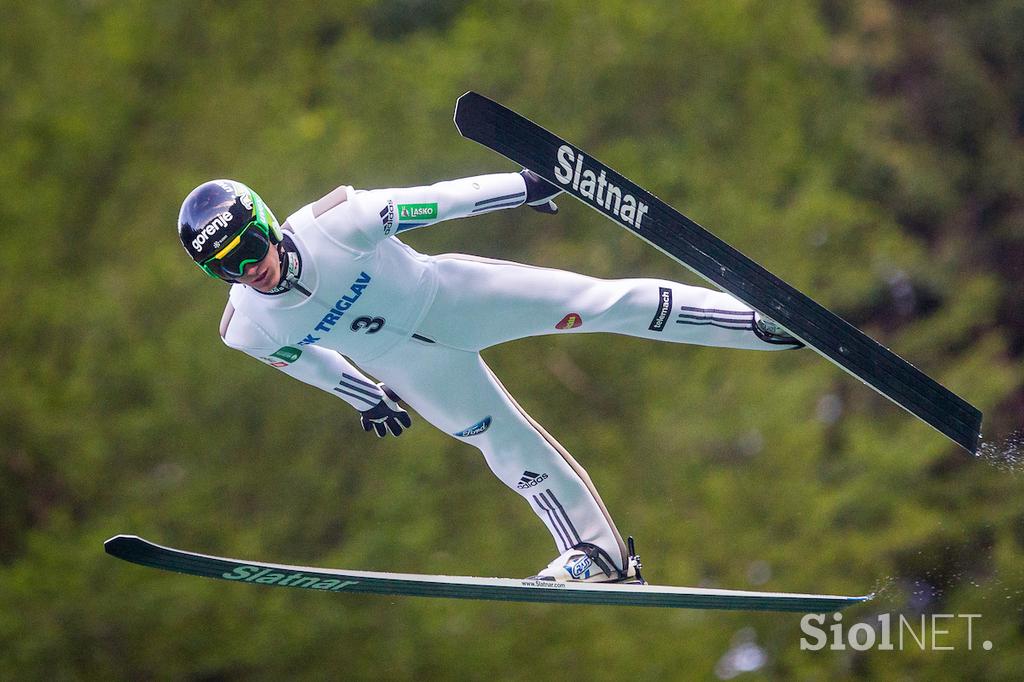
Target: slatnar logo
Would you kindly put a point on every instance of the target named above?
(572, 171)
(266, 576)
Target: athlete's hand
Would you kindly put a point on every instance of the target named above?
(387, 416)
(539, 192)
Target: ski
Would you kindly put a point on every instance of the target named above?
(139, 551)
(582, 176)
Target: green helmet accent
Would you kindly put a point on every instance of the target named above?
(220, 225)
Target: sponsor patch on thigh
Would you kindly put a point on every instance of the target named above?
(570, 321)
(475, 429)
(664, 310)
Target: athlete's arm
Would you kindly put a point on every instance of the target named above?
(327, 370)
(364, 218)
(421, 206)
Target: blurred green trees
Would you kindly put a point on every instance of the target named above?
(868, 152)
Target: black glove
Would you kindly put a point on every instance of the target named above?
(539, 192)
(387, 416)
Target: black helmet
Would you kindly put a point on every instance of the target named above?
(224, 226)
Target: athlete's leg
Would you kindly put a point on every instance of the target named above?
(482, 302)
(455, 391)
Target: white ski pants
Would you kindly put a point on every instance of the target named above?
(481, 303)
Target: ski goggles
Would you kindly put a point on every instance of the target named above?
(249, 246)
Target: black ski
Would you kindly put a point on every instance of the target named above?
(634, 208)
(136, 550)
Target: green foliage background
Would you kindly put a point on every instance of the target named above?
(869, 152)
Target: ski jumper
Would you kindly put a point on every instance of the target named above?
(418, 323)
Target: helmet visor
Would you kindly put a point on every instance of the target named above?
(249, 246)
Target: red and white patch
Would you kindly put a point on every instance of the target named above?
(570, 321)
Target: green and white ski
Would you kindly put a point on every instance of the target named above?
(137, 550)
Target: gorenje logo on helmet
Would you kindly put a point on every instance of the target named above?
(219, 221)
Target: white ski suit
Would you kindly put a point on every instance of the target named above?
(417, 323)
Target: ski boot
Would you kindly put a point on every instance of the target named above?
(587, 563)
(770, 331)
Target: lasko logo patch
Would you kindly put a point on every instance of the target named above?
(287, 353)
(338, 310)
(570, 321)
(597, 189)
(266, 576)
(476, 429)
(283, 357)
(416, 212)
(530, 479)
(664, 310)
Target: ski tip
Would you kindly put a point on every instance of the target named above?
(112, 545)
(468, 96)
(461, 103)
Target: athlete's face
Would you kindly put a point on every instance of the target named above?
(264, 275)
